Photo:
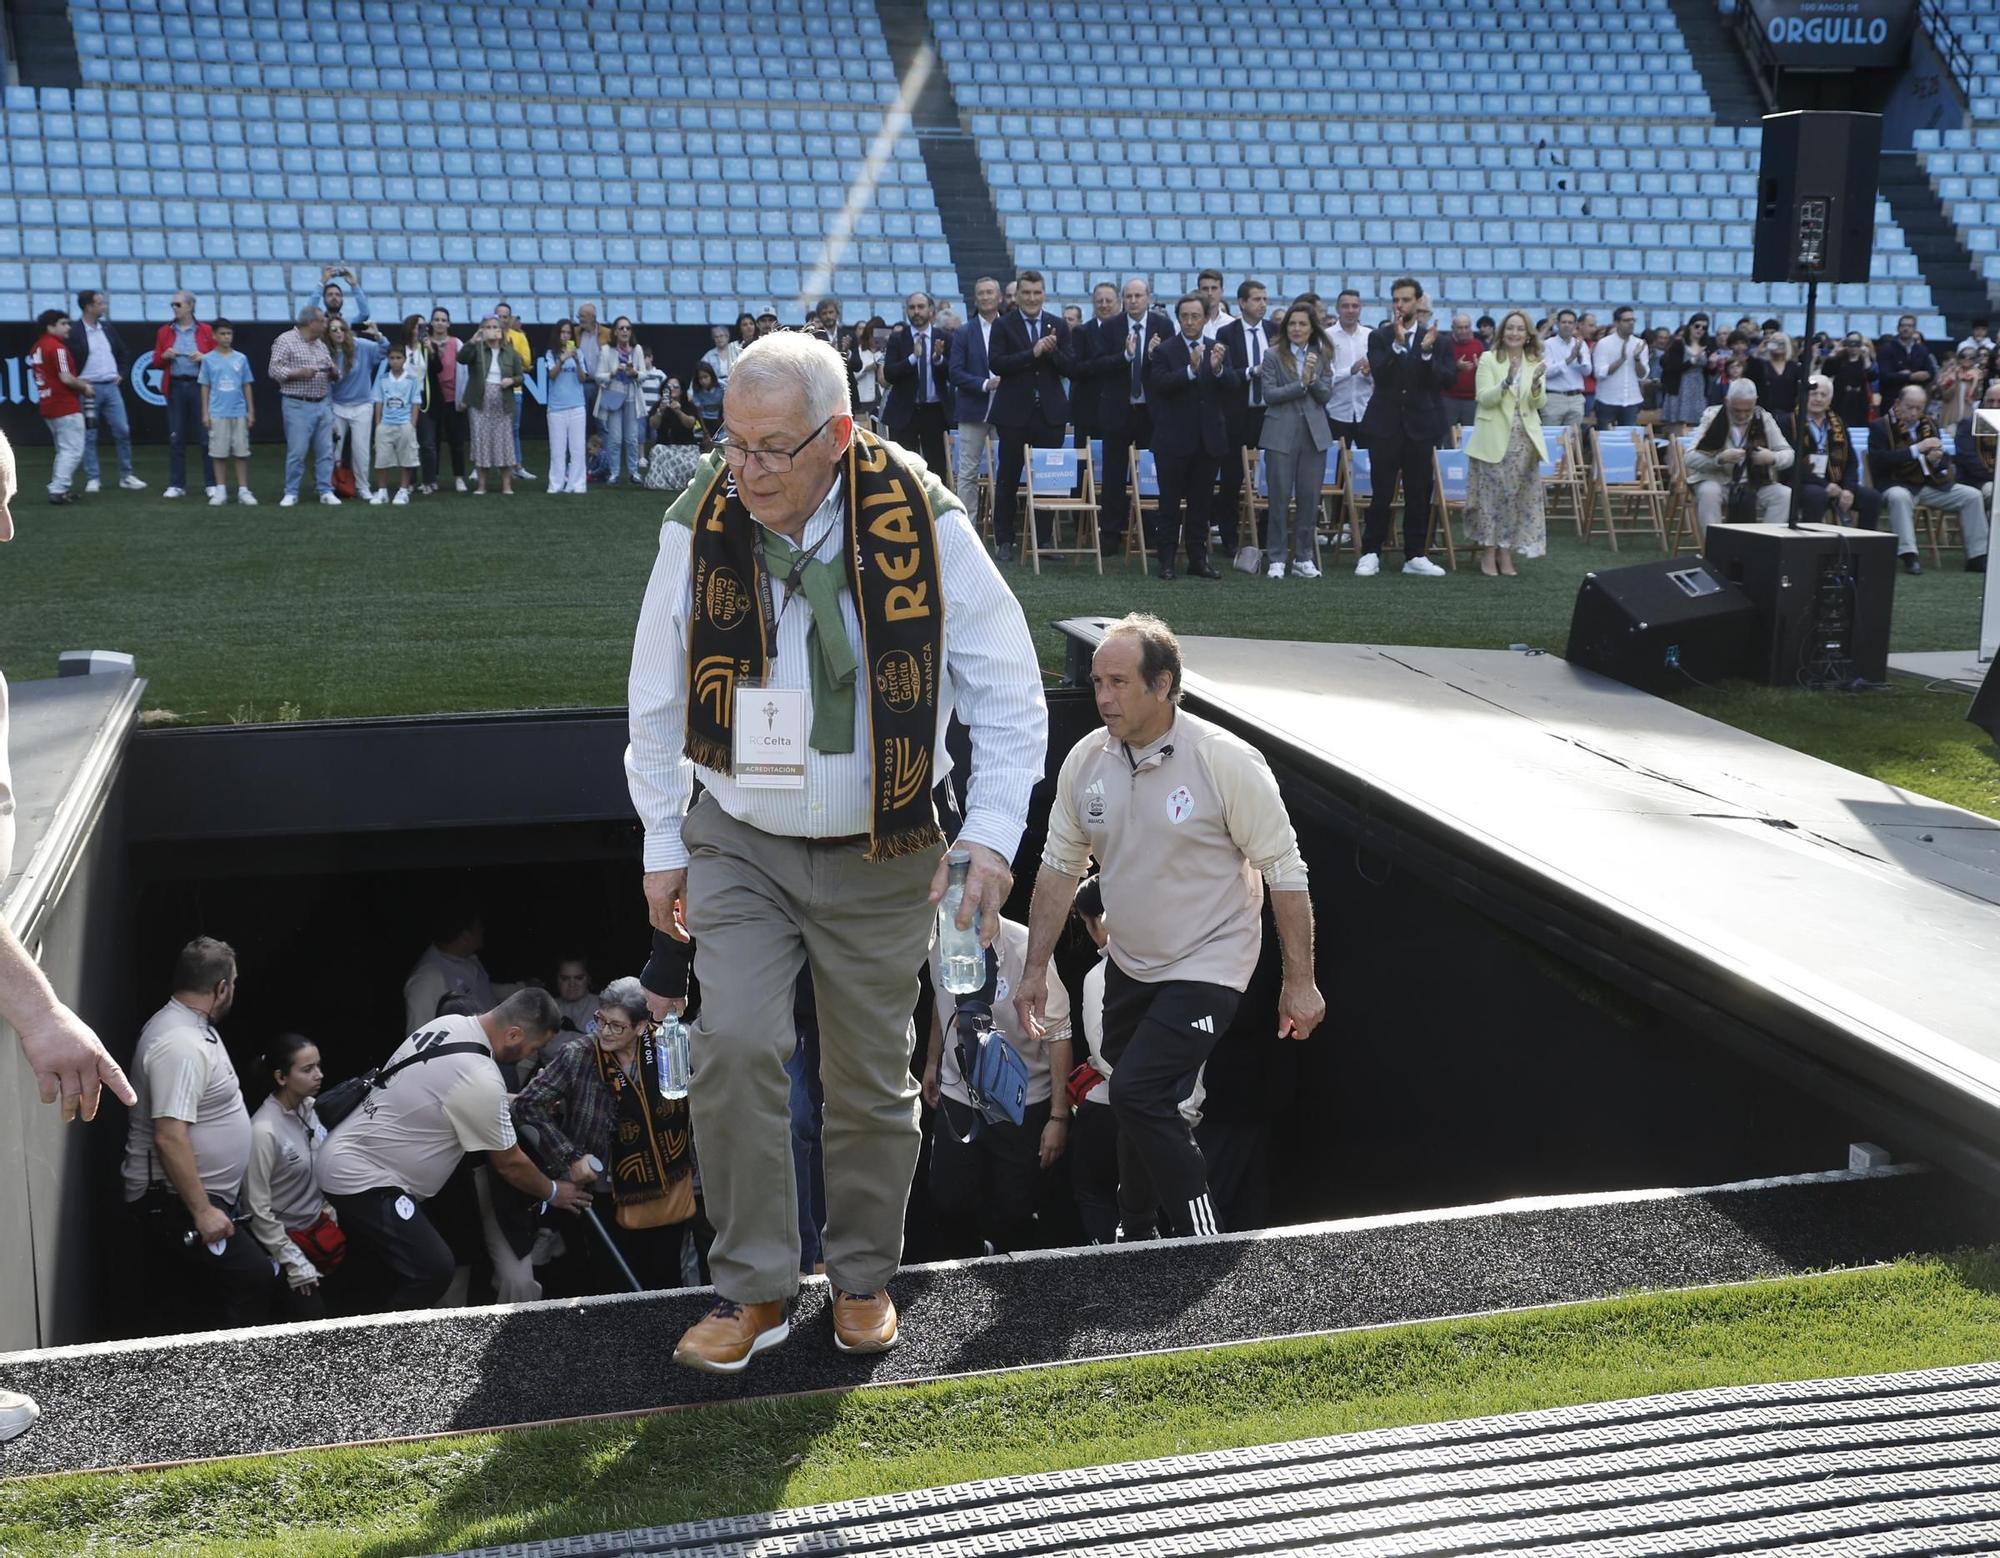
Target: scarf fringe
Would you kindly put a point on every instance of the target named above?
(911, 841)
(707, 752)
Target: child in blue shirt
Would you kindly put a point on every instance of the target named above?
(227, 412)
(397, 394)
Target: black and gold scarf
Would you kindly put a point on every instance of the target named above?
(892, 568)
(652, 1146)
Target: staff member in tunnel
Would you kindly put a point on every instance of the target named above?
(819, 606)
(1188, 830)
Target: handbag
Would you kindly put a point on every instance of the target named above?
(671, 467)
(1739, 504)
(1248, 559)
(325, 1245)
(995, 1075)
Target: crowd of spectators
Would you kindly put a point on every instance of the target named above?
(370, 414)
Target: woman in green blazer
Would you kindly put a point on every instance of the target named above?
(493, 375)
(1504, 459)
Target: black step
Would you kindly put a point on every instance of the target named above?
(972, 227)
(43, 44)
(1733, 94)
(1957, 288)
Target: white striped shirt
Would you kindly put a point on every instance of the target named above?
(990, 674)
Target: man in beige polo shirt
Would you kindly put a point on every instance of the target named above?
(1188, 830)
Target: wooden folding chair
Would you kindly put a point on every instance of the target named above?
(1256, 497)
(1451, 479)
(1564, 473)
(1144, 497)
(1058, 483)
(1623, 478)
(1683, 513)
(1360, 492)
(1332, 500)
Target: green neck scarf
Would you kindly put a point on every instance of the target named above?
(830, 658)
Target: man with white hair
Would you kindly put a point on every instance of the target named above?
(1739, 443)
(1921, 475)
(794, 648)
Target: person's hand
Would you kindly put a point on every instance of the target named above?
(1429, 340)
(987, 884)
(1131, 345)
(307, 1289)
(1364, 367)
(570, 1197)
(1218, 355)
(1730, 457)
(1301, 1008)
(1312, 365)
(207, 426)
(930, 1083)
(1055, 1137)
(937, 351)
(1153, 344)
(1541, 375)
(1764, 457)
(666, 901)
(665, 1006)
(1031, 995)
(581, 1172)
(71, 1063)
(212, 1225)
(992, 382)
(325, 274)
(6, 517)
(1846, 498)
(1932, 446)
(1046, 344)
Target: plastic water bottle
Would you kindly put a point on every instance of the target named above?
(675, 1066)
(960, 956)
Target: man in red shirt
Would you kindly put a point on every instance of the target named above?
(1461, 399)
(59, 395)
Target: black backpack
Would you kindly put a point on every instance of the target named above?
(342, 1099)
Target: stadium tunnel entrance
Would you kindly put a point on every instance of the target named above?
(1462, 1061)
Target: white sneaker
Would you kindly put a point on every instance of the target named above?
(91, 485)
(17, 1414)
(329, 500)
(1274, 571)
(212, 491)
(245, 495)
(289, 500)
(131, 484)
(1305, 570)
(402, 498)
(1369, 566)
(378, 498)
(522, 473)
(174, 492)
(1424, 568)
(461, 484)
(217, 496)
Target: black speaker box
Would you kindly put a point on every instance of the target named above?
(1816, 197)
(1822, 594)
(1661, 625)
(1985, 711)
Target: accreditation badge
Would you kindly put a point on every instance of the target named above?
(1819, 466)
(770, 738)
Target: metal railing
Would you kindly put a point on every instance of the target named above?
(1957, 60)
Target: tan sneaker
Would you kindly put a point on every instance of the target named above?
(864, 1322)
(731, 1334)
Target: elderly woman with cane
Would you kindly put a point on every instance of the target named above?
(596, 1109)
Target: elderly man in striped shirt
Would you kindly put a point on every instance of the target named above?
(302, 368)
(819, 607)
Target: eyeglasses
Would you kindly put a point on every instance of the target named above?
(775, 461)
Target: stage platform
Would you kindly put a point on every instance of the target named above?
(1961, 667)
(278, 1388)
(1844, 931)
(1837, 1468)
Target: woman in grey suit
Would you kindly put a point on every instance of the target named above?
(1298, 382)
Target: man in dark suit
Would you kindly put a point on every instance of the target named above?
(1188, 385)
(918, 407)
(1410, 367)
(1115, 373)
(1083, 409)
(1032, 353)
(1245, 338)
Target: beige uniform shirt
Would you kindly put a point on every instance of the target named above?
(181, 1072)
(1186, 834)
(411, 1134)
(281, 1191)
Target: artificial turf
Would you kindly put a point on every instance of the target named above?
(607, 1476)
(257, 614)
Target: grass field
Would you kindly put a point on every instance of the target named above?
(462, 603)
(485, 1488)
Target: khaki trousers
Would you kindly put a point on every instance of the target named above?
(760, 907)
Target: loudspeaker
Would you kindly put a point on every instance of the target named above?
(1816, 197)
(1822, 595)
(1660, 625)
(1985, 711)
